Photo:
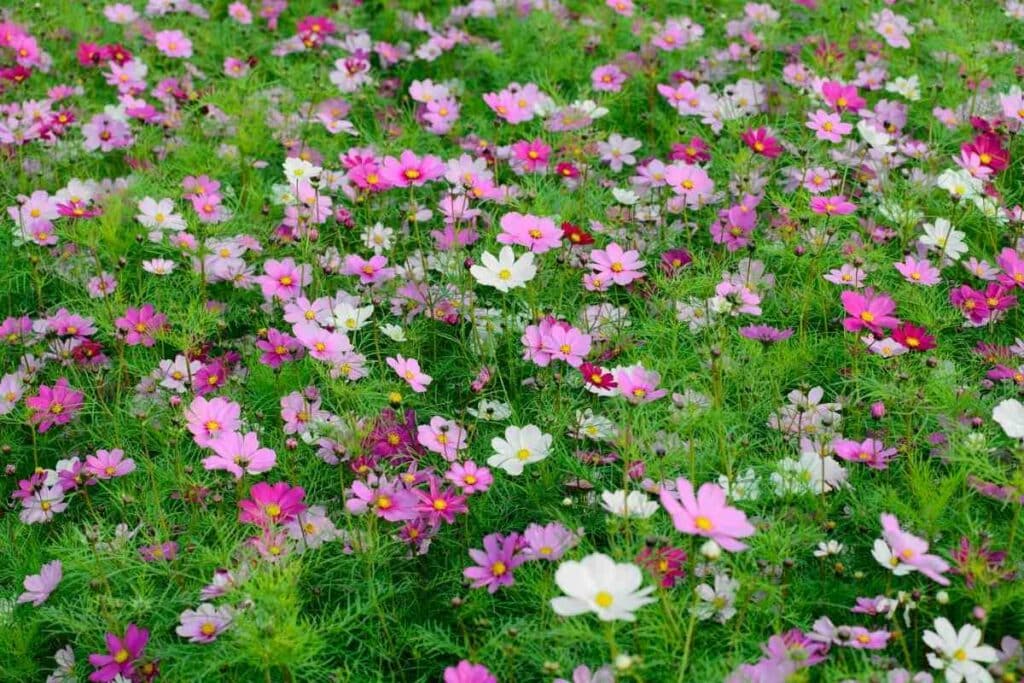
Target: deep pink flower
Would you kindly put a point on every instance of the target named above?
(138, 325)
(54, 405)
(123, 653)
(868, 311)
(272, 504)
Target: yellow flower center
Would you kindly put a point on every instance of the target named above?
(604, 599)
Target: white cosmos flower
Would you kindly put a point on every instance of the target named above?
(350, 318)
(959, 183)
(491, 410)
(393, 332)
(1010, 416)
(628, 504)
(296, 169)
(944, 237)
(506, 271)
(909, 88)
(958, 652)
(521, 446)
(874, 137)
(599, 584)
(885, 557)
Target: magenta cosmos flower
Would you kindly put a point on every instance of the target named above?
(269, 504)
(467, 672)
(494, 564)
(109, 464)
(121, 657)
(138, 325)
(54, 405)
(706, 514)
(868, 311)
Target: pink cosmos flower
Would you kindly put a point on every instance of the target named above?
(204, 624)
(836, 205)
(494, 564)
(467, 672)
(919, 271)
(122, 655)
(370, 272)
(847, 275)
(707, 514)
(549, 542)
(54, 405)
(410, 170)
(388, 501)
(515, 103)
(173, 44)
(442, 436)
(409, 370)
(104, 134)
(470, 477)
(607, 78)
(138, 325)
(828, 126)
(38, 587)
(912, 551)
(278, 348)
(616, 265)
(691, 182)
(272, 504)
(322, 345)
(284, 279)
(209, 421)
(871, 452)
(109, 464)
(868, 311)
(637, 384)
(1012, 264)
(566, 343)
(240, 455)
(536, 233)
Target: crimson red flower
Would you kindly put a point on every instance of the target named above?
(576, 235)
